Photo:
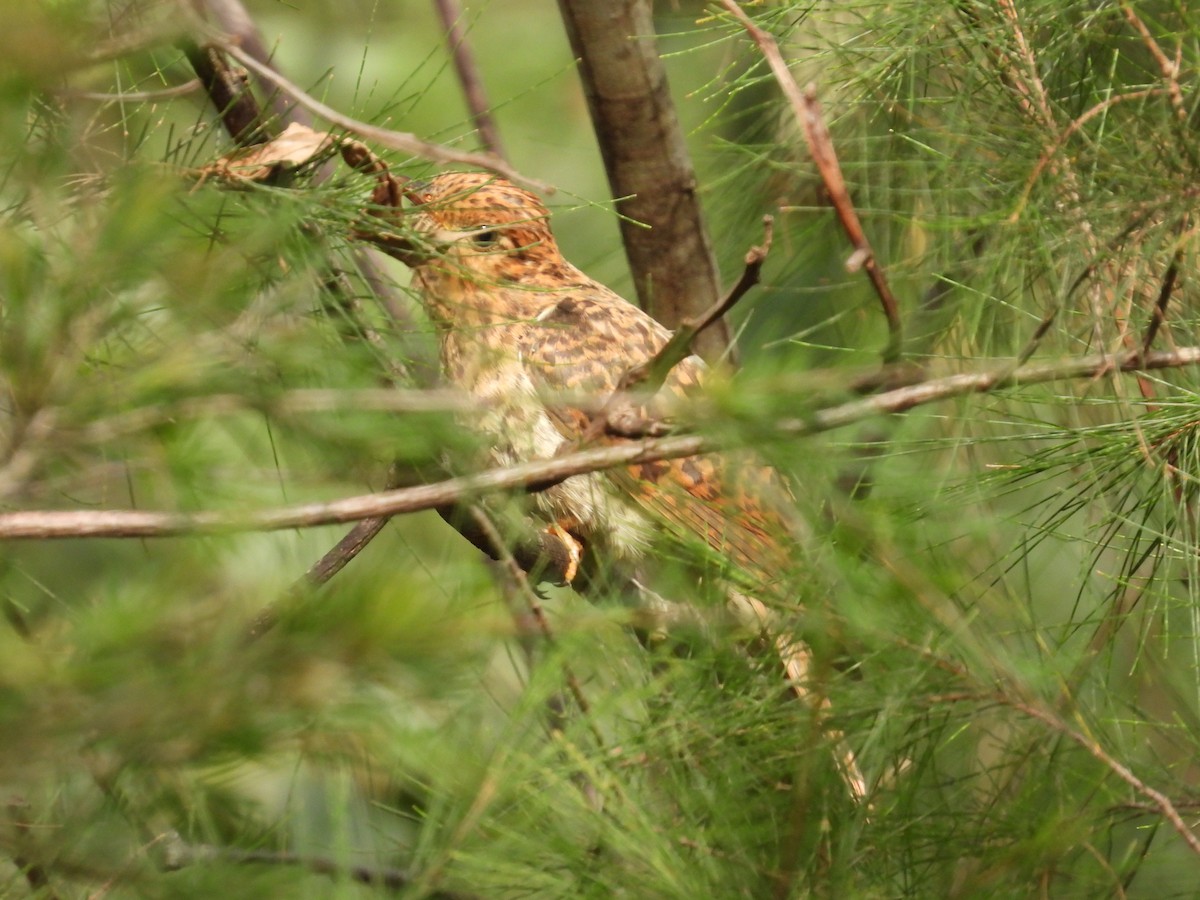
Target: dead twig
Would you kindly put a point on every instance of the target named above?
(230, 94)
(1064, 135)
(540, 474)
(334, 560)
(170, 93)
(648, 377)
(1167, 66)
(807, 110)
(404, 141)
(1160, 801)
(1170, 277)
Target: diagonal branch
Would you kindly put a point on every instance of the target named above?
(820, 145)
(1161, 802)
(541, 474)
(648, 376)
(404, 141)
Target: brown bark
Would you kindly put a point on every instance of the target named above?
(646, 157)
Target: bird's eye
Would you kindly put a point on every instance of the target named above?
(486, 238)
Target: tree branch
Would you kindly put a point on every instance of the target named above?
(820, 145)
(541, 474)
(235, 22)
(451, 14)
(645, 155)
(650, 375)
(621, 412)
(1162, 803)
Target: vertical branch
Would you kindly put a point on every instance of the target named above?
(646, 157)
(450, 12)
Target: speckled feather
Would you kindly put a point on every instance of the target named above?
(518, 323)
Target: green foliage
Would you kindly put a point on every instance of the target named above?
(1005, 625)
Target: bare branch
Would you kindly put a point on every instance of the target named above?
(1161, 802)
(234, 21)
(451, 14)
(645, 155)
(229, 93)
(651, 374)
(620, 412)
(820, 145)
(334, 560)
(541, 474)
(179, 90)
(404, 141)
(1064, 135)
(1159, 315)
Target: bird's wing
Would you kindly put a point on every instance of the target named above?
(584, 343)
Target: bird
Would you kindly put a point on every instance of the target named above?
(526, 333)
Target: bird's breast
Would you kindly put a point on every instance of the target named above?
(521, 429)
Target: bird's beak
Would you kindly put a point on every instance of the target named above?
(416, 245)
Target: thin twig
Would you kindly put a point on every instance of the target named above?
(334, 560)
(451, 14)
(1159, 801)
(541, 474)
(649, 376)
(1164, 296)
(1163, 803)
(1064, 135)
(807, 110)
(404, 141)
(169, 93)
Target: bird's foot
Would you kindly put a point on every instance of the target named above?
(572, 548)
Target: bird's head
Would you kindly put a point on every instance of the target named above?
(482, 227)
